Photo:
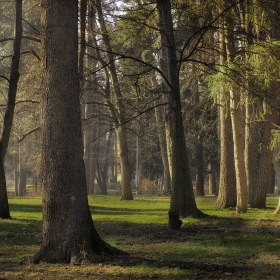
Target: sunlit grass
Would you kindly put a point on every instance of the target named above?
(203, 247)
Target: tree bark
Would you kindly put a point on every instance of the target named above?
(227, 184)
(237, 125)
(69, 234)
(264, 170)
(227, 181)
(9, 113)
(251, 149)
(238, 144)
(182, 200)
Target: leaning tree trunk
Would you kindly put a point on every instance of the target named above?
(9, 114)
(68, 230)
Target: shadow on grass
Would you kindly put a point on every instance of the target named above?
(26, 208)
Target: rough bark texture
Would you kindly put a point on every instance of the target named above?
(9, 113)
(259, 200)
(69, 234)
(264, 170)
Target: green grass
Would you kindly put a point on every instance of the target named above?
(221, 246)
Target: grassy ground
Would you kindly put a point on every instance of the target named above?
(223, 246)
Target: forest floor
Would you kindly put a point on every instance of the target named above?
(222, 246)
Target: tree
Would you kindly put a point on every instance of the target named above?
(119, 110)
(9, 113)
(69, 234)
(182, 200)
(271, 101)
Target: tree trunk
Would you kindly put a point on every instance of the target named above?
(227, 180)
(182, 200)
(265, 161)
(237, 125)
(276, 164)
(22, 181)
(272, 181)
(227, 184)
(124, 163)
(16, 172)
(264, 170)
(251, 150)
(238, 144)
(9, 113)
(102, 169)
(212, 179)
(199, 170)
(69, 234)
(163, 149)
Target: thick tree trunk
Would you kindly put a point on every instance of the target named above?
(264, 170)
(69, 234)
(9, 113)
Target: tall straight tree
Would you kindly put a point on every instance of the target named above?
(9, 113)
(263, 178)
(182, 197)
(119, 110)
(68, 229)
